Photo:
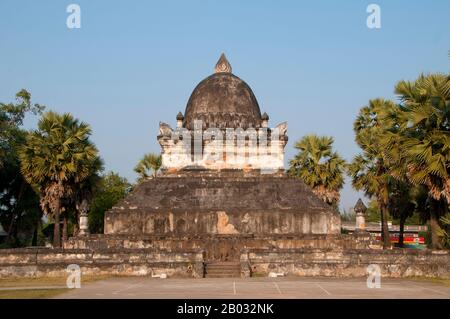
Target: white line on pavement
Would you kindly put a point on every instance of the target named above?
(278, 288)
(323, 289)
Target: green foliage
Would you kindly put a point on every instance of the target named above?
(401, 203)
(56, 158)
(110, 189)
(370, 170)
(11, 118)
(59, 151)
(372, 214)
(19, 204)
(319, 167)
(148, 166)
(406, 151)
(425, 141)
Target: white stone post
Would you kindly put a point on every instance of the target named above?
(360, 222)
(360, 209)
(180, 118)
(84, 219)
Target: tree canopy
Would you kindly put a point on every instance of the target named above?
(319, 167)
(148, 166)
(110, 189)
(55, 158)
(19, 206)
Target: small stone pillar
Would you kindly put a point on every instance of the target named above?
(180, 119)
(265, 120)
(199, 267)
(84, 219)
(360, 209)
(245, 265)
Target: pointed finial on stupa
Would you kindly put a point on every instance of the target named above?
(223, 65)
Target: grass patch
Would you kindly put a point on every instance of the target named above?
(45, 281)
(259, 274)
(21, 283)
(31, 293)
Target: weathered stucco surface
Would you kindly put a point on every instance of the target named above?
(228, 202)
(133, 262)
(294, 262)
(348, 262)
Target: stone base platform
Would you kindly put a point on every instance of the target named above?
(44, 262)
(229, 202)
(335, 256)
(47, 262)
(221, 247)
(394, 263)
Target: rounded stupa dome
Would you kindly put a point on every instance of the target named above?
(223, 100)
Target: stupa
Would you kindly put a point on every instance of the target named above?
(222, 179)
(222, 206)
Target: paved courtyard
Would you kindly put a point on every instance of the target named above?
(286, 287)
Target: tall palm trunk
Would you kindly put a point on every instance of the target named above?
(11, 226)
(34, 238)
(64, 230)
(434, 228)
(76, 226)
(384, 224)
(12, 229)
(36, 233)
(438, 208)
(56, 232)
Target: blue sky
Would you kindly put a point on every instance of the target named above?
(135, 63)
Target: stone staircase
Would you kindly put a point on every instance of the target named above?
(223, 269)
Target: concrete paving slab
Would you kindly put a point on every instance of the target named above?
(285, 287)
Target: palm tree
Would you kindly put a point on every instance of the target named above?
(371, 170)
(148, 165)
(319, 167)
(426, 141)
(56, 156)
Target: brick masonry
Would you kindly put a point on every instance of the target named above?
(338, 256)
